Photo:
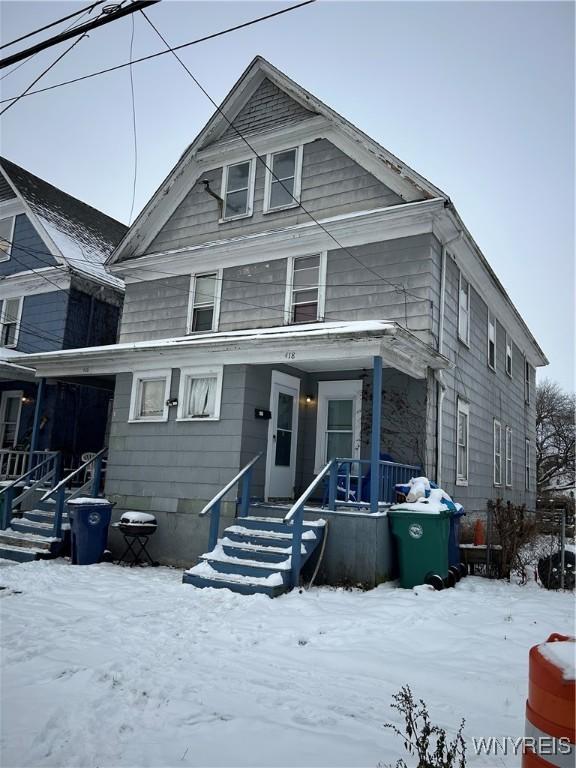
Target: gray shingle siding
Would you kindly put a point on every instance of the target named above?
(332, 184)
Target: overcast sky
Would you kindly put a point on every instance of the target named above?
(477, 97)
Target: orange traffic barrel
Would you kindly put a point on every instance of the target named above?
(550, 709)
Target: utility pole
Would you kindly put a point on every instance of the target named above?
(116, 13)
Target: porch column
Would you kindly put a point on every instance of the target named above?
(37, 417)
(375, 438)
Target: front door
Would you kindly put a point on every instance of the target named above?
(10, 418)
(282, 436)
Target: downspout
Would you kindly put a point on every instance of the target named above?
(440, 373)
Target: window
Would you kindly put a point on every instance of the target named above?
(509, 457)
(497, 453)
(527, 464)
(527, 380)
(508, 355)
(6, 236)
(150, 392)
(10, 409)
(238, 189)
(339, 420)
(200, 394)
(282, 187)
(204, 305)
(462, 437)
(305, 290)
(10, 322)
(464, 311)
(491, 341)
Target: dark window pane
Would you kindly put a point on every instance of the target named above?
(236, 203)
(285, 406)
(202, 319)
(282, 194)
(305, 313)
(283, 448)
(340, 414)
(238, 177)
(285, 164)
(338, 445)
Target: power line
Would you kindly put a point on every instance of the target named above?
(52, 24)
(41, 75)
(133, 126)
(267, 167)
(164, 53)
(80, 29)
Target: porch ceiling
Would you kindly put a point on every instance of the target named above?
(311, 347)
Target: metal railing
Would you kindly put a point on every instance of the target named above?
(45, 469)
(92, 484)
(213, 506)
(13, 464)
(354, 486)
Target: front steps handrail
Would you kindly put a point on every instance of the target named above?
(213, 506)
(50, 469)
(59, 490)
(295, 517)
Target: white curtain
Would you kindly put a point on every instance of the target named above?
(202, 397)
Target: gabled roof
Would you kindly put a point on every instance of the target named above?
(409, 184)
(79, 236)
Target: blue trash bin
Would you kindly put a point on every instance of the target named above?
(89, 519)
(454, 539)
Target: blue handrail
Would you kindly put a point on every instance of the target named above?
(213, 506)
(42, 472)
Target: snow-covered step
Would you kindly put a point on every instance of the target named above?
(18, 539)
(20, 554)
(43, 516)
(266, 538)
(249, 551)
(24, 525)
(224, 563)
(275, 524)
(203, 575)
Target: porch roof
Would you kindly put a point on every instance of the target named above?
(309, 347)
(8, 370)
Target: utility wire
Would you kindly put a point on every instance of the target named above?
(398, 287)
(41, 75)
(164, 53)
(134, 133)
(52, 24)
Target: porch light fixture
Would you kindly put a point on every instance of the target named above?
(27, 400)
(309, 398)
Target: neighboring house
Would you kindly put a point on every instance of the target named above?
(54, 294)
(240, 306)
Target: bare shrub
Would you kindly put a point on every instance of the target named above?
(514, 529)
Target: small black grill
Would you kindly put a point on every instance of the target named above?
(137, 527)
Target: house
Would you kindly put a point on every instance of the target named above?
(55, 294)
(296, 291)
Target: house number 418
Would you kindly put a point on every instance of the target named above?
(290, 355)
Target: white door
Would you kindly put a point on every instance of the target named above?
(338, 428)
(10, 407)
(282, 436)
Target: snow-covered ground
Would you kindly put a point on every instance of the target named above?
(107, 666)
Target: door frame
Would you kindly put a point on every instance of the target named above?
(5, 395)
(343, 389)
(294, 383)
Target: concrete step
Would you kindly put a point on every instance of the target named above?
(20, 554)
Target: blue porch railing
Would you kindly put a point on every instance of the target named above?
(213, 506)
(91, 471)
(44, 469)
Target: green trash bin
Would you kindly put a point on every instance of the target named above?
(421, 537)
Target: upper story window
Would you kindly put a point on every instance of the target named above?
(283, 174)
(238, 189)
(205, 290)
(462, 437)
(497, 453)
(464, 310)
(527, 381)
(150, 393)
(10, 322)
(491, 341)
(6, 237)
(508, 355)
(305, 289)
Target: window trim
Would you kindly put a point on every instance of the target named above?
(527, 464)
(349, 389)
(223, 190)
(509, 346)
(466, 340)
(527, 380)
(5, 255)
(508, 456)
(497, 429)
(200, 372)
(6, 394)
(463, 407)
(491, 324)
(290, 286)
(20, 300)
(297, 179)
(217, 300)
(137, 378)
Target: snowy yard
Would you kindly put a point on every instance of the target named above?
(105, 666)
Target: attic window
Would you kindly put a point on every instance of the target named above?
(6, 236)
(238, 189)
(283, 179)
